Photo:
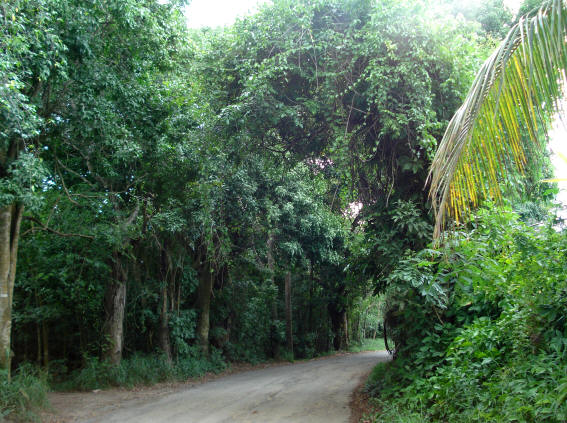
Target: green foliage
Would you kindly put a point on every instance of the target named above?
(494, 16)
(253, 324)
(287, 355)
(161, 159)
(32, 53)
(182, 331)
(530, 7)
(368, 344)
(141, 370)
(24, 394)
(492, 341)
(497, 131)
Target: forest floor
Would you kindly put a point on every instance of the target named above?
(319, 390)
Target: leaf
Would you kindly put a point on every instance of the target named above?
(551, 180)
(517, 90)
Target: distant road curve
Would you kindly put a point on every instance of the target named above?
(315, 391)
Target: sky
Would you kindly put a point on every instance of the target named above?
(201, 13)
(213, 13)
(558, 144)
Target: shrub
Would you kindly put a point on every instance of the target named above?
(24, 394)
(491, 342)
(142, 370)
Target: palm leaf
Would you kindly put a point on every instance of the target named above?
(517, 90)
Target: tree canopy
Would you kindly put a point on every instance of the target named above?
(176, 199)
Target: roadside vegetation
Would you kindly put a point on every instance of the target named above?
(173, 201)
(493, 339)
(493, 290)
(368, 344)
(23, 395)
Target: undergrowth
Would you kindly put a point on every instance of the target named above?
(24, 394)
(368, 344)
(139, 370)
(481, 329)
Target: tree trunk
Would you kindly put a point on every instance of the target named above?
(10, 221)
(163, 315)
(38, 332)
(115, 303)
(204, 303)
(271, 266)
(274, 339)
(45, 331)
(288, 314)
(339, 324)
(164, 326)
(335, 316)
(344, 332)
(310, 322)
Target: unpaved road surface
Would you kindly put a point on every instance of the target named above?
(314, 391)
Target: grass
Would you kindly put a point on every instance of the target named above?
(139, 370)
(23, 395)
(368, 345)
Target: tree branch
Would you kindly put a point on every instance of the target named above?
(53, 231)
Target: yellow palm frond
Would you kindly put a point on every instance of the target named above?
(516, 90)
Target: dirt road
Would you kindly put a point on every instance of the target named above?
(313, 391)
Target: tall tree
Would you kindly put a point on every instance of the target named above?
(93, 123)
(31, 57)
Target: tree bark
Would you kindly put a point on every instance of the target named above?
(274, 341)
(38, 332)
(10, 221)
(164, 325)
(288, 313)
(310, 322)
(335, 316)
(204, 304)
(164, 340)
(115, 303)
(345, 336)
(339, 325)
(45, 332)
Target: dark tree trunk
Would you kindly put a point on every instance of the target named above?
(344, 332)
(38, 332)
(164, 326)
(339, 325)
(274, 339)
(288, 313)
(45, 331)
(335, 316)
(204, 304)
(310, 322)
(164, 340)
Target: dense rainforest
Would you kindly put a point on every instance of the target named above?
(174, 200)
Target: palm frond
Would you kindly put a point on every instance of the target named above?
(517, 90)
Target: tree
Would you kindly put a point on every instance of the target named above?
(203, 167)
(529, 7)
(27, 28)
(517, 90)
(493, 15)
(96, 124)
